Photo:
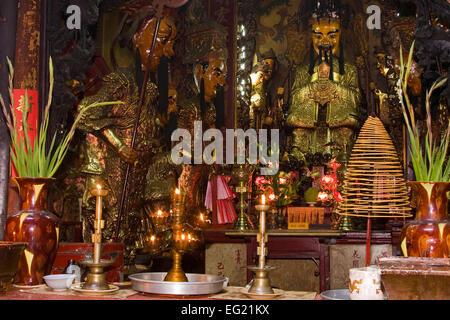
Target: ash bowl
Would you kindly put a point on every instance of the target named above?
(59, 282)
(10, 254)
(198, 284)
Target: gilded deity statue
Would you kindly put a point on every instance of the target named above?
(264, 109)
(259, 107)
(324, 109)
(206, 53)
(109, 132)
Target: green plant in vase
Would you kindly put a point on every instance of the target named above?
(36, 163)
(34, 159)
(426, 235)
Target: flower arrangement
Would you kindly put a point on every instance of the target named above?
(280, 189)
(330, 185)
(429, 162)
(34, 159)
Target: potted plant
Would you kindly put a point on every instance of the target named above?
(425, 235)
(36, 163)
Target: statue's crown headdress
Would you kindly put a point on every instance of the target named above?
(205, 40)
(326, 10)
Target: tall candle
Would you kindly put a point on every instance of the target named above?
(97, 237)
(98, 193)
(263, 199)
(98, 209)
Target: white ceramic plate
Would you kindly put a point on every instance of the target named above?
(336, 294)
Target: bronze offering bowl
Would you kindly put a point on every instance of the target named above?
(10, 254)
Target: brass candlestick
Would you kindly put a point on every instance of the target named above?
(261, 281)
(241, 221)
(176, 273)
(96, 279)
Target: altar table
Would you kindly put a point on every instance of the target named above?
(126, 293)
(296, 244)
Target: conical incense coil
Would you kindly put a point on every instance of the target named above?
(374, 185)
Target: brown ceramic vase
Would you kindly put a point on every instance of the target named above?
(428, 235)
(37, 226)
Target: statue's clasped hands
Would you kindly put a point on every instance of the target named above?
(128, 154)
(323, 90)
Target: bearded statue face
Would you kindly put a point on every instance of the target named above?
(214, 75)
(143, 40)
(257, 77)
(326, 36)
(268, 65)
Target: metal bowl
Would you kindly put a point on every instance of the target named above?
(198, 284)
(336, 294)
(10, 254)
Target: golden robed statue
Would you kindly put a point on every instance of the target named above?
(109, 132)
(325, 96)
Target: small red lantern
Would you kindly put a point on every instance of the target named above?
(328, 180)
(322, 196)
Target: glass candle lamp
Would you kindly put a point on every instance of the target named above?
(181, 242)
(153, 243)
(203, 221)
(160, 218)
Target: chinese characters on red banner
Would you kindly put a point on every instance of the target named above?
(33, 115)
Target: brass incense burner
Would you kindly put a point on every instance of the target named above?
(176, 281)
(182, 240)
(261, 282)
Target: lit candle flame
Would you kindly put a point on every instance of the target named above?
(159, 213)
(201, 216)
(99, 187)
(263, 199)
(177, 191)
(152, 238)
(183, 237)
